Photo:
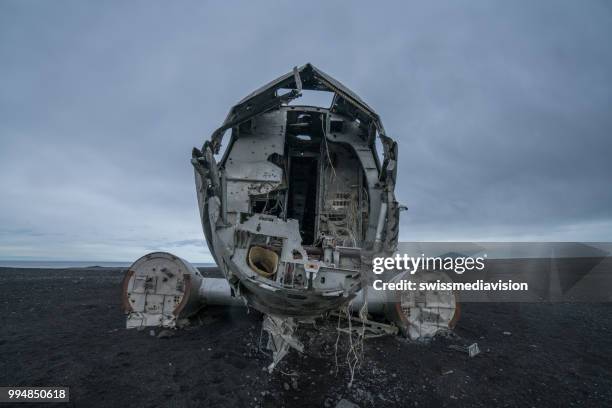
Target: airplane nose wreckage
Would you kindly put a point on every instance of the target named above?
(299, 196)
(293, 211)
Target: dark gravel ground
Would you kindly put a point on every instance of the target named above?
(65, 327)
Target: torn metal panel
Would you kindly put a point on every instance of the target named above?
(367, 328)
(281, 337)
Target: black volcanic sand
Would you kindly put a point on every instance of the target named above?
(65, 327)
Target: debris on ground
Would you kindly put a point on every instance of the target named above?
(164, 334)
(294, 383)
(344, 403)
(281, 336)
(472, 350)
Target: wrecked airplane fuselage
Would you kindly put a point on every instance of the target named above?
(299, 202)
(294, 210)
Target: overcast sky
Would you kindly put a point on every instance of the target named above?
(502, 111)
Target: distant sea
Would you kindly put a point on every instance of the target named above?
(74, 264)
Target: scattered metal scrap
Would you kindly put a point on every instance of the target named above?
(368, 328)
(281, 337)
(472, 350)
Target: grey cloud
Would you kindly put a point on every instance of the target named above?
(501, 110)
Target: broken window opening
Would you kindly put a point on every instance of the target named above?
(322, 99)
(223, 147)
